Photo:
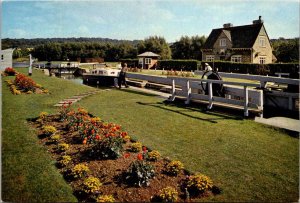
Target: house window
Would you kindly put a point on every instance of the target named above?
(262, 41)
(262, 60)
(210, 58)
(147, 60)
(2, 57)
(236, 58)
(223, 42)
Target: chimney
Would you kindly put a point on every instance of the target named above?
(259, 21)
(227, 25)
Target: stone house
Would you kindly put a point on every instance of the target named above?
(148, 60)
(243, 44)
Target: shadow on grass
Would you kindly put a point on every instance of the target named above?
(139, 93)
(184, 110)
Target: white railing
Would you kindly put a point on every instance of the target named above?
(189, 89)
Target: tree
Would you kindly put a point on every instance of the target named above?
(157, 45)
(188, 48)
(286, 50)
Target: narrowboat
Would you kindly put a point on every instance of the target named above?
(102, 77)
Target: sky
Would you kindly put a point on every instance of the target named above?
(139, 19)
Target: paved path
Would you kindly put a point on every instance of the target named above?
(77, 98)
(281, 122)
(155, 92)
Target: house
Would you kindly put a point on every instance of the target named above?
(148, 60)
(6, 58)
(243, 44)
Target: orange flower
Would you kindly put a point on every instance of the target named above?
(140, 157)
(84, 141)
(93, 131)
(126, 155)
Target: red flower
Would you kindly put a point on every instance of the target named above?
(140, 157)
(93, 131)
(97, 137)
(144, 149)
(126, 155)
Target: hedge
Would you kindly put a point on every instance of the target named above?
(256, 69)
(225, 66)
(185, 65)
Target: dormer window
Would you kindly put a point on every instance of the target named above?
(223, 42)
(262, 41)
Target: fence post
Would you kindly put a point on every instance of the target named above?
(188, 92)
(246, 96)
(261, 103)
(210, 95)
(172, 97)
(290, 103)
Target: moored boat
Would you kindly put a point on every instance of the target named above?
(102, 77)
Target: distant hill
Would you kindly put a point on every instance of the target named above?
(26, 43)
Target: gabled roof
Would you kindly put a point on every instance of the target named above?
(241, 36)
(148, 54)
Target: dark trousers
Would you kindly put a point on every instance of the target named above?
(122, 79)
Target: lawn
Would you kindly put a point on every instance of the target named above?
(249, 161)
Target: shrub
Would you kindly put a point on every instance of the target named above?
(153, 155)
(49, 129)
(25, 83)
(168, 194)
(126, 138)
(105, 198)
(63, 147)
(140, 172)
(64, 160)
(43, 115)
(174, 167)
(10, 71)
(110, 148)
(198, 184)
(136, 147)
(55, 138)
(79, 171)
(91, 185)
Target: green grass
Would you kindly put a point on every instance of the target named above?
(28, 173)
(249, 161)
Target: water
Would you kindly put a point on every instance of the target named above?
(75, 79)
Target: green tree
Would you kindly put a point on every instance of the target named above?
(286, 50)
(188, 48)
(157, 45)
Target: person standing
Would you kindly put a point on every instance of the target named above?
(122, 76)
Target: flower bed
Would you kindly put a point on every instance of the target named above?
(24, 84)
(101, 162)
(9, 71)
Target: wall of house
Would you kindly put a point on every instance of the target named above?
(7, 58)
(218, 48)
(262, 51)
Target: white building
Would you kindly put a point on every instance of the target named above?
(6, 58)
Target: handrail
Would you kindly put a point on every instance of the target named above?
(262, 79)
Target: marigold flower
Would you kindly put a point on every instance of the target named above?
(126, 155)
(140, 157)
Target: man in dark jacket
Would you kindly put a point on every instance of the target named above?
(122, 76)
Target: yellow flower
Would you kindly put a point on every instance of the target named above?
(168, 194)
(174, 167)
(63, 147)
(64, 160)
(200, 183)
(105, 198)
(153, 155)
(136, 147)
(80, 170)
(91, 185)
(49, 130)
